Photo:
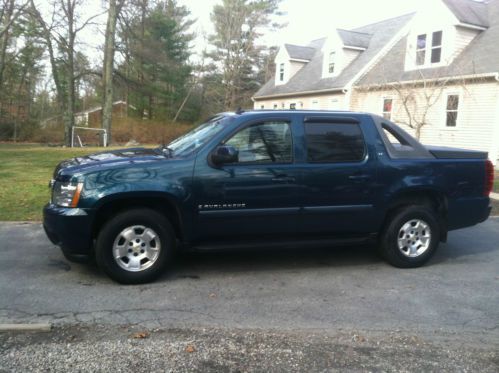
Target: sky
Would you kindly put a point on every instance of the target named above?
(311, 19)
(305, 20)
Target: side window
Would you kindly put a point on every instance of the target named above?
(268, 142)
(334, 142)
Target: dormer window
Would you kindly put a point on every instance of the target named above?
(281, 72)
(436, 47)
(421, 50)
(435, 51)
(331, 62)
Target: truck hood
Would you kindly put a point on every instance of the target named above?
(108, 159)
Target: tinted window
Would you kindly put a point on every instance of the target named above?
(264, 143)
(334, 142)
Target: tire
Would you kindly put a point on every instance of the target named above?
(411, 236)
(142, 241)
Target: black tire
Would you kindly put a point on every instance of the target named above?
(389, 247)
(134, 217)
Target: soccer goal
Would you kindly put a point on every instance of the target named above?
(78, 141)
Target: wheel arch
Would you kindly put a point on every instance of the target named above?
(430, 197)
(163, 203)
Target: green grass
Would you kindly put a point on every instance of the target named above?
(25, 171)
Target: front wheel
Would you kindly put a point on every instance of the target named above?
(411, 237)
(135, 246)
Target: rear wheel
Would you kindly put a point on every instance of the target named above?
(411, 237)
(135, 246)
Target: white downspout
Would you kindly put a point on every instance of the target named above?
(494, 148)
(348, 95)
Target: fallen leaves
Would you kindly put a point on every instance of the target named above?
(358, 338)
(190, 349)
(140, 335)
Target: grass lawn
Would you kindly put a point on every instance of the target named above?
(25, 171)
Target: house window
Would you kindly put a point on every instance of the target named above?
(281, 72)
(275, 106)
(387, 108)
(283, 105)
(421, 50)
(292, 106)
(422, 44)
(301, 105)
(262, 107)
(332, 60)
(436, 47)
(451, 110)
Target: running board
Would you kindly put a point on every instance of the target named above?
(285, 243)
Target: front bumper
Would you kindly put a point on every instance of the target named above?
(69, 228)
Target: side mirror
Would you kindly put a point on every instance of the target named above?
(224, 154)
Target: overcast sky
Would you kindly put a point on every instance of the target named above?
(306, 19)
(311, 19)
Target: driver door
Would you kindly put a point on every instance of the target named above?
(254, 197)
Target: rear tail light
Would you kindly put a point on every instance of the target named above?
(489, 178)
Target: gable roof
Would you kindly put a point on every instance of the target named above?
(480, 57)
(354, 38)
(469, 11)
(298, 52)
(309, 77)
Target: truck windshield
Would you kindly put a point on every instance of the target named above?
(196, 138)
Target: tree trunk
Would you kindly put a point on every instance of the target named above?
(70, 78)
(107, 74)
(4, 40)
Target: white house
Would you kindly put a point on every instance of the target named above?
(435, 71)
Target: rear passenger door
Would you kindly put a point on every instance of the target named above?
(338, 178)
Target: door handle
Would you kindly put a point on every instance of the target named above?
(359, 178)
(283, 179)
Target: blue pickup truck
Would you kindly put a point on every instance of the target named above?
(266, 178)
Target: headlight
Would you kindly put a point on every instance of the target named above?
(66, 194)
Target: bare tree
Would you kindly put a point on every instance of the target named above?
(107, 71)
(9, 12)
(418, 99)
(60, 35)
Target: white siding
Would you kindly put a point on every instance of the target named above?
(294, 67)
(463, 37)
(319, 102)
(349, 55)
(478, 115)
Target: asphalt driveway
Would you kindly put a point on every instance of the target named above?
(342, 290)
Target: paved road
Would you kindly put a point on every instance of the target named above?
(287, 310)
(315, 289)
